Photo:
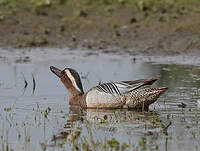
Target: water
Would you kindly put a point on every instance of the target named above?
(41, 119)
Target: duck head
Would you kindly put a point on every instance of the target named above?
(71, 79)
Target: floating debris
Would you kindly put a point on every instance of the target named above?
(23, 59)
(85, 76)
(182, 105)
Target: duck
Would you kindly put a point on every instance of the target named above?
(124, 94)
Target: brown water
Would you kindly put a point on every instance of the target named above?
(41, 119)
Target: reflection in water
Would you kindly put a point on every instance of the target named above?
(22, 115)
(147, 123)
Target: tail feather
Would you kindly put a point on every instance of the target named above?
(151, 81)
(162, 89)
(144, 97)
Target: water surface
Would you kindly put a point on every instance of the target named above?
(43, 120)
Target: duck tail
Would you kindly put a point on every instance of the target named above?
(162, 89)
(151, 81)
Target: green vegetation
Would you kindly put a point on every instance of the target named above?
(70, 139)
(148, 24)
(142, 5)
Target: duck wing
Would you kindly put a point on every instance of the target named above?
(119, 88)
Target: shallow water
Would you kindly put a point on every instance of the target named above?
(41, 119)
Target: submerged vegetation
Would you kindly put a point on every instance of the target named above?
(82, 134)
(71, 136)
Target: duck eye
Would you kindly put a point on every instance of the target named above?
(62, 72)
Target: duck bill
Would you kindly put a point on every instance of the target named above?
(56, 71)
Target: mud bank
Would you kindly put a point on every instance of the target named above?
(37, 55)
(148, 28)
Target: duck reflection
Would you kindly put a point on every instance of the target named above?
(137, 121)
(83, 123)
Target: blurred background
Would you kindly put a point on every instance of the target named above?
(138, 26)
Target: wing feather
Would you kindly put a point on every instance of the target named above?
(119, 88)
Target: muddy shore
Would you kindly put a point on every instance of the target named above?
(167, 29)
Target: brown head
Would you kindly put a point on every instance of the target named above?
(71, 79)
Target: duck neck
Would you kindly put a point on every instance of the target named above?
(73, 92)
(75, 97)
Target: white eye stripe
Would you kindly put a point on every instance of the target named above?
(72, 79)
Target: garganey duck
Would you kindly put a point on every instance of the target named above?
(124, 94)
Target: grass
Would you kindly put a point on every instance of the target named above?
(109, 5)
(75, 140)
(76, 22)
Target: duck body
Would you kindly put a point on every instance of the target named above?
(124, 94)
(140, 95)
